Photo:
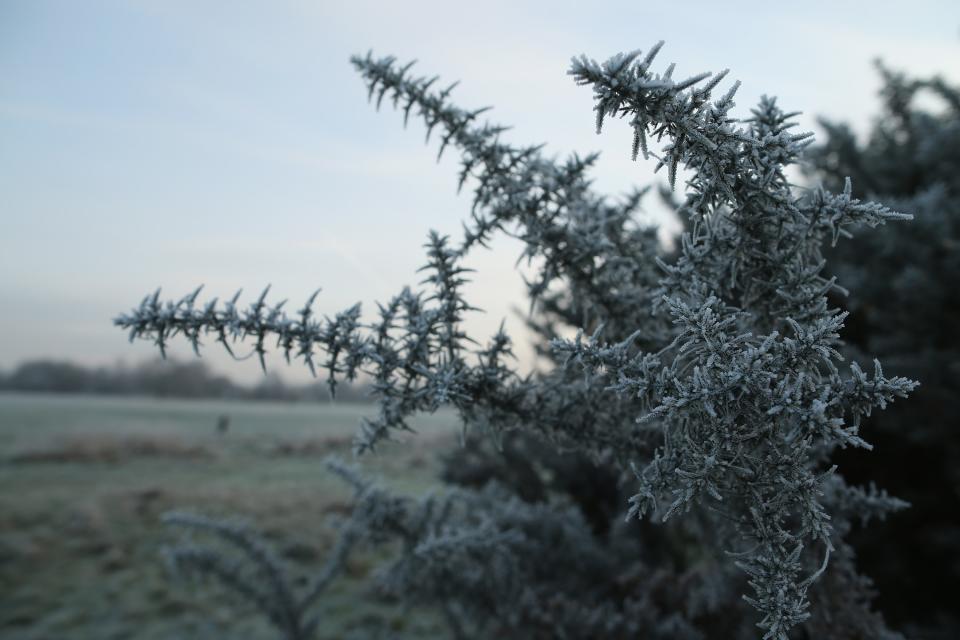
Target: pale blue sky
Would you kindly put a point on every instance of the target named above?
(147, 144)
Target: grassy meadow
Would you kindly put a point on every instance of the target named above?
(84, 480)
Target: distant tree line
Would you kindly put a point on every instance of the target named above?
(163, 378)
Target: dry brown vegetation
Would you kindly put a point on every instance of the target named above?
(114, 448)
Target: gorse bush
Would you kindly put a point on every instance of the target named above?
(708, 383)
(904, 305)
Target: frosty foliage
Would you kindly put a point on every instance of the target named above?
(904, 306)
(711, 380)
(246, 564)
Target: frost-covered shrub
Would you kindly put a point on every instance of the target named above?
(241, 559)
(709, 384)
(904, 305)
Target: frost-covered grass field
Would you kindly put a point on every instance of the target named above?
(83, 481)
